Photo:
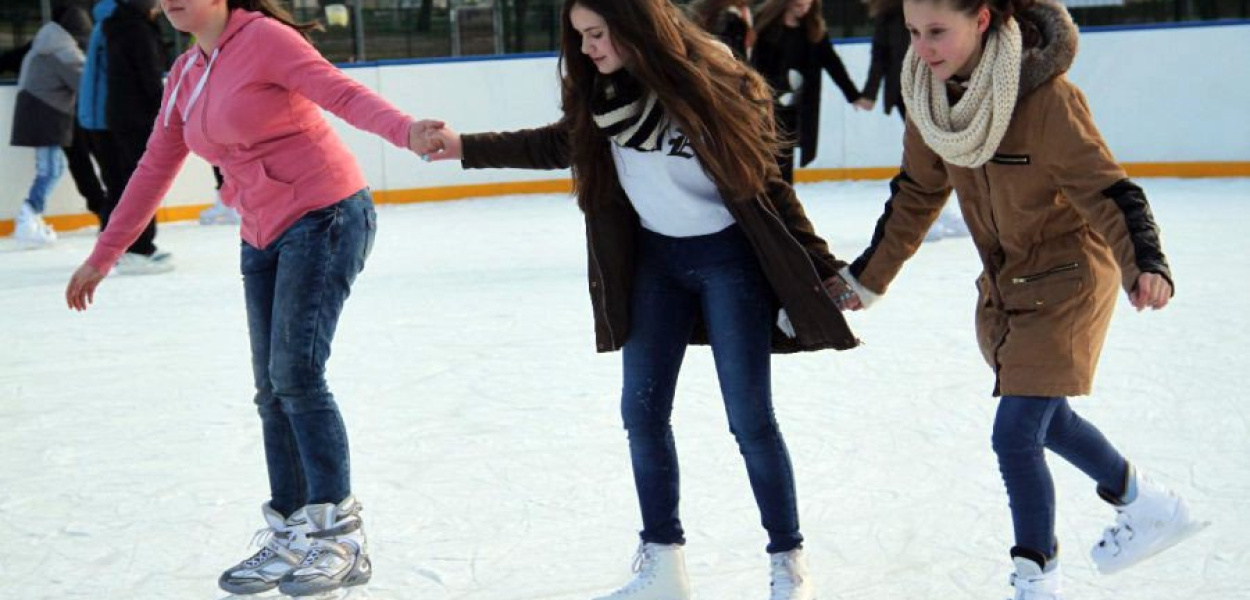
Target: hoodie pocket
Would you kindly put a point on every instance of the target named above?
(252, 190)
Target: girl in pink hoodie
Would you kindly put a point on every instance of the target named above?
(246, 98)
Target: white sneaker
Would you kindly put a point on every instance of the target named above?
(338, 555)
(282, 546)
(1153, 522)
(30, 231)
(139, 264)
(219, 214)
(1032, 583)
(790, 580)
(659, 574)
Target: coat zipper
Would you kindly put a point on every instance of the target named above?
(1045, 274)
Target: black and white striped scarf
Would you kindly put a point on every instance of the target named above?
(628, 113)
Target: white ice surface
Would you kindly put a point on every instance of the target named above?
(485, 434)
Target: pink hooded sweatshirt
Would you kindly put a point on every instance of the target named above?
(257, 118)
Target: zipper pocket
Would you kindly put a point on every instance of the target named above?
(1046, 273)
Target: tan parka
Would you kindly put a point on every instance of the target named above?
(1055, 220)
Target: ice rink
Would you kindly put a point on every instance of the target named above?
(486, 440)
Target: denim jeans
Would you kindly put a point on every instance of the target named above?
(295, 290)
(49, 167)
(1023, 428)
(678, 279)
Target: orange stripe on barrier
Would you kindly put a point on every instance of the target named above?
(552, 186)
(455, 192)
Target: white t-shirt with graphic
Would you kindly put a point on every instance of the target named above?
(668, 188)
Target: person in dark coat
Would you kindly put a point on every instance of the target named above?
(43, 117)
(136, 63)
(890, 42)
(791, 50)
(729, 21)
(691, 237)
(77, 23)
(78, 152)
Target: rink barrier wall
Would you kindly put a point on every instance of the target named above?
(1165, 107)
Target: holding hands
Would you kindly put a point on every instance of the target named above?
(442, 144)
(433, 140)
(418, 135)
(843, 294)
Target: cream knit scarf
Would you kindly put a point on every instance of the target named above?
(968, 133)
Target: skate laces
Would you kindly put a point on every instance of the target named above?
(320, 548)
(1116, 535)
(643, 568)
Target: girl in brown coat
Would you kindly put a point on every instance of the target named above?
(1058, 225)
(691, 237)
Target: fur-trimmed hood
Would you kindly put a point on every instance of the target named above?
(1053, 34)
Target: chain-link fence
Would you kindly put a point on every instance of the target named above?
(396, 29)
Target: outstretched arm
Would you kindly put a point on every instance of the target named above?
(917, 195)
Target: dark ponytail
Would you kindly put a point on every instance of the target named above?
(1000, 10)
(274, 10)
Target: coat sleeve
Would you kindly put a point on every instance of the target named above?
(161, 161)
(880, 60)
(1077, 159)
(542, 148)
(917, 195)
(791, 213)
(829, 61)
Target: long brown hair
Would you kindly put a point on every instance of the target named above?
(723, 106)
(771, 15)
(274, 10)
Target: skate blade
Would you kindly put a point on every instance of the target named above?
(347, 593)
(1194, 528)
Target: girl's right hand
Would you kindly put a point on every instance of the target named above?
(80, 292)
(444, 144)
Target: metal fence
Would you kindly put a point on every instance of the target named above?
(395, 29)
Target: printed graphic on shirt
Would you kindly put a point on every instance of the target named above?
(678, 143)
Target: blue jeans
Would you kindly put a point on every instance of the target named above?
(678, 279)
(1023, 428)
(49, 167)
(295, 290)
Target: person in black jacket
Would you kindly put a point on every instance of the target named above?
(890, 42)
(136, 62)
(729, 21)
(792, 48)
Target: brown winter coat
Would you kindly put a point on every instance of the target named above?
(1055, 220)
(793, 257)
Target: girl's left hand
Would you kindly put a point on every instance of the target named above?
(843, 296)
(80, 292)
(1151, 291)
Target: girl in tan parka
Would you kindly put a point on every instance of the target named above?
(1057, 224)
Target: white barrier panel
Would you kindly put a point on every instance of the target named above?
(1170, 95)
